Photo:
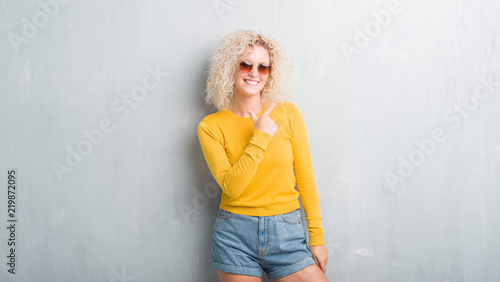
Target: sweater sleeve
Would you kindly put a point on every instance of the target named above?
(305, 178)
(232, 179)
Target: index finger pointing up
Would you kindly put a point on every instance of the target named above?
(271, 107)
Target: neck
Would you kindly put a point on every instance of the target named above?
(241, 104)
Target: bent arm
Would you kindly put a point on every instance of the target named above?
(232, 179)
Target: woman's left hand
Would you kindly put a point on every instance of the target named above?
(320, 255)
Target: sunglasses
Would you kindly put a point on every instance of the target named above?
(262, 69)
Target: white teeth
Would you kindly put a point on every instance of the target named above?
(252, 82)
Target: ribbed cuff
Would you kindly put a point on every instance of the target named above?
(315, 232)
(316, 240)
(260, 139)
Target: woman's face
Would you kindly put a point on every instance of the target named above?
(251, 83)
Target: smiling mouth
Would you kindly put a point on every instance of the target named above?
(251, 82)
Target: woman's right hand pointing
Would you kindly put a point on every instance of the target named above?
(265, 123)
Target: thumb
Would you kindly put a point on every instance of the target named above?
(254, 117)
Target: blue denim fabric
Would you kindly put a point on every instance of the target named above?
(248, 245)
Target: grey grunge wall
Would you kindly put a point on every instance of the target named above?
(102, 177)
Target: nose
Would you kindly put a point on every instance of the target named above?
(254, 72)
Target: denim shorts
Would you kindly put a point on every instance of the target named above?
(243, 244)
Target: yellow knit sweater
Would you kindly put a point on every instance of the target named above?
(257, 172)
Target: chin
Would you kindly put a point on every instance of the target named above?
(252, 93)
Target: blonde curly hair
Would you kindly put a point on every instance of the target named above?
(224, 60)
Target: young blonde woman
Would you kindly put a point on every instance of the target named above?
(257, 149)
